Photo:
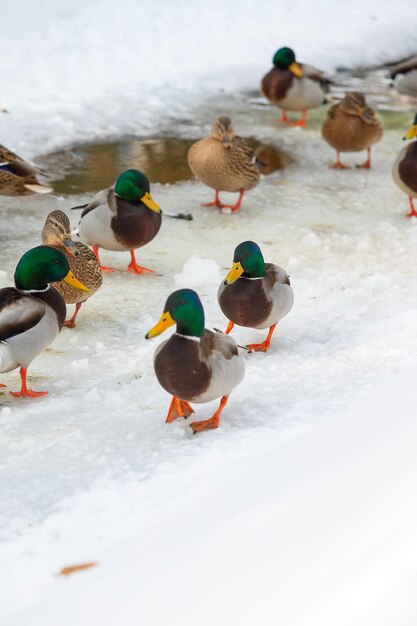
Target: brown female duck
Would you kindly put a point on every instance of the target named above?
(351, 126)
(18, 177)
(224, 162)
(82, 261)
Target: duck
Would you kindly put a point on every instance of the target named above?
(83, 263)
(18, 177)
(351, 126)
(404, 75)
(32, 312)
(255, 294)
(123, 217)
(224, 162)
(404, 171)
(294, 86)
(195, 364)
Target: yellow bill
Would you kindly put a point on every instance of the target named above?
(411, 133)
(71, 280)
(236, 271)
(150, 203)
(296, 69)
(165, 322)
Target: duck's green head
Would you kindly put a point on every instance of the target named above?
(43, 265)
(248, 262)
(133, 185)
(284, 58)
(413, 131)
(184, 309)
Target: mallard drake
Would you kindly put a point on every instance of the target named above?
(32, 313)
(18, 177)
(255, 294)
(351, 126)
(123, 217)
(83, 263)
(404, 170)
(224, 162)
(404, 75)
(194, 364)
(293, 86)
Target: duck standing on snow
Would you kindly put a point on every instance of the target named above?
(293, 86)
(83, 263)
(195, 364)
(255, 294)
(32, 313)
(405, 76)
(351, 126)
(224, 162)
(121, 218)
(18, 177)
(404, 170)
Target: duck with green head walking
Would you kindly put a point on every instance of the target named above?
(255, 294)
(124, 217)
(32, 313)
(294, 86)
(194, 364)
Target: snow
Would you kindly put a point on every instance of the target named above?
(300, 509)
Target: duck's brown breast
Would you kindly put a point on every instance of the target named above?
(134, 225)
(179, 368)
(407, 167)
(349, 133)
(276, 83)
(245, 302)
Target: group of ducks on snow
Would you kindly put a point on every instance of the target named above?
(195, 365)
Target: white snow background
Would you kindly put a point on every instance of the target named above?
(300, 510)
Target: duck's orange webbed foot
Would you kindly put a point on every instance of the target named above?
(413, 212)
(25, 392)
(367, 165)
(1, 385)
(178, 408)
(216, 202)
(338, 165)
(102, 267)
(134, 268)
(71, 322)
(265, 345)
(235, 207)
(211, 423)
(302, 121)
(284, 119)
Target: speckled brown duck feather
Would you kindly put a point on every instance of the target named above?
(18, 177)
(350, 125)
(82, 261)
(224, 161)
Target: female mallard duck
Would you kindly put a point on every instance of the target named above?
(224, 162)
(404, 170)
(254, 293)
(351, 126)
(405, 76)
(32, 313)
(83, 263)
(195, 364)
(18, 177)
(294, 86)
(123, 217)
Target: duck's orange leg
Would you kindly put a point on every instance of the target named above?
(134, 268)
(1, 385)
(102, 267)
(178, 408)
(229, 328)
(71, 322)
(265, 345)
(216, 202)
(27, 393)
(284, 119)
(338, 165)
(367, 165)
(235, 207)
(302, 121)
(213, 422)
(413, 212)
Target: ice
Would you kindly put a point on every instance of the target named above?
(198, 273)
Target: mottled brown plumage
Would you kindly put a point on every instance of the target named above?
(18, 177)
(82, 261)
(351, 126)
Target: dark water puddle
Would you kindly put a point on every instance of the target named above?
(91, 167)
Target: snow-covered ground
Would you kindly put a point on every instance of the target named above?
(300, 509)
